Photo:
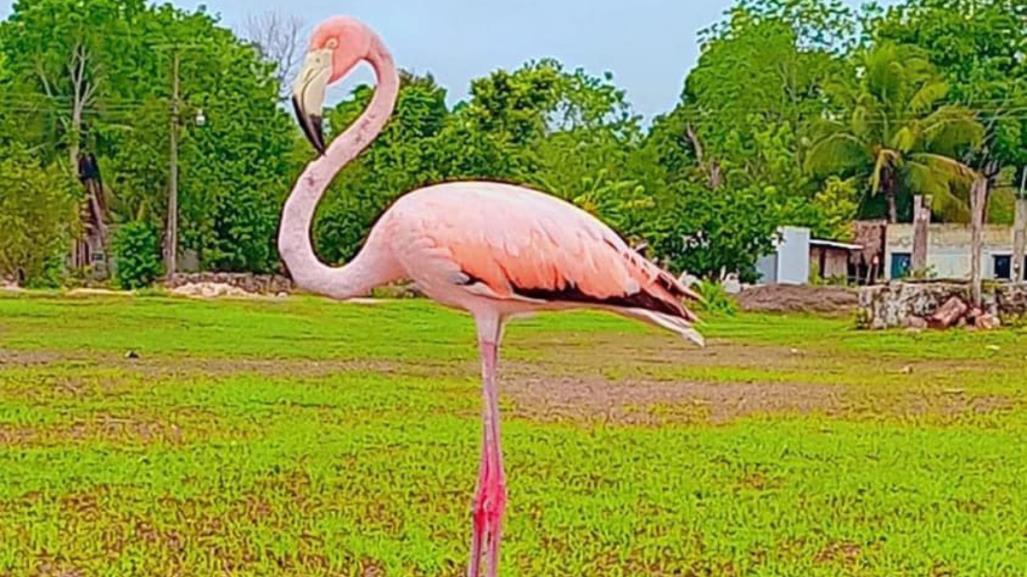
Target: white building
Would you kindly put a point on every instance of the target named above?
(797, 255)
(948, 251)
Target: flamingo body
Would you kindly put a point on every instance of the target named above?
(499, 249)
(495, 250)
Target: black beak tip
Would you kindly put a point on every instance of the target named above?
(317, 124)
(311, 125)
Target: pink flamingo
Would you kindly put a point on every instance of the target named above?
(494, 250)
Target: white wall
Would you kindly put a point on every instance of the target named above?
(793, 255)
(948, 248)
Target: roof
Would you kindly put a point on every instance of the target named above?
(834, 244)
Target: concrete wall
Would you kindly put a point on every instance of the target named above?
(948, 248)
(793, 256)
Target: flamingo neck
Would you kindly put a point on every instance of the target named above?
(359, 276)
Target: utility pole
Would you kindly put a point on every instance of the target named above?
(171, 235)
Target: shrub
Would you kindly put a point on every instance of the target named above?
(715, 298)
(137, 255)
(38, 218)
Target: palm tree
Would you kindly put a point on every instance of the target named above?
(897, 134)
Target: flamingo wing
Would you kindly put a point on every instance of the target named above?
(511, 243)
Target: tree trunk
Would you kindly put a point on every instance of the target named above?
(1020, 239)
(921, 222)
(1020, 231)
(893, 208)
(978, 200)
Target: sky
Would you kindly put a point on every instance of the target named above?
(648, 45)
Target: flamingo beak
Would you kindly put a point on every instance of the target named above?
(308, 96)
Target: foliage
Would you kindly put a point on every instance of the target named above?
(800, 112)
(403, 157)
(978, 46)
(835, 205)
(234, 170)
(817, 24)
(715, 298)
(712, 232)
(38, 217)
(751, 118)
(559, 131)
(137, 254)
(623, 204)
(895, 132)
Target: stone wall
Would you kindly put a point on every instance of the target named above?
(900, 304)
(250, 283)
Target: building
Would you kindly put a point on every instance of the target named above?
(948, 251)
(797, 255)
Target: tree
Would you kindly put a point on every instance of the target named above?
(753, 78)
(978, 47)
(817, 24)
(235, 170)
(37, 215)
(893, 129)
(277, 36)
(568, 133)
(503, 131)
(710, 232)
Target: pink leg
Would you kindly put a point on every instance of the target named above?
(490, 500)
(478, 513)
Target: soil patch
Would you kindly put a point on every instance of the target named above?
(643, 402)
(779, 298)
(25, 358)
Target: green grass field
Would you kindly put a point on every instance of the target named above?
(304, 437)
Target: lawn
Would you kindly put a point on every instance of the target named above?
(304, 437)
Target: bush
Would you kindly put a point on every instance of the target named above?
(137, 255)
(715, 298)
(38, 218)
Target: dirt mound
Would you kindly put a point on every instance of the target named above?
(780, 298)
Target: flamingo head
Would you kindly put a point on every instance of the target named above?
(336, 47)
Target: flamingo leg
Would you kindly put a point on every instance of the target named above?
(478, 515)
(490, 498)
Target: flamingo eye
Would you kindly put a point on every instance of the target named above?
(332, 43)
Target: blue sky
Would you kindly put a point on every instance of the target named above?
(649, 45)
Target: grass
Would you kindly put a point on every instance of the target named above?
(304, 437)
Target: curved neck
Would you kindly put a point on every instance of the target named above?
(294, 238)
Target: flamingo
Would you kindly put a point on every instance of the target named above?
(494, 250)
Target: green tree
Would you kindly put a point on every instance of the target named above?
(531, 126)
(755, 81)
(894, 130)
(710, 232)
(101, 78)
(818, 24)
(37, 215)
(978, 47)
(568, 133)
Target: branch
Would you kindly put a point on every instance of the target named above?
(42, 78)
